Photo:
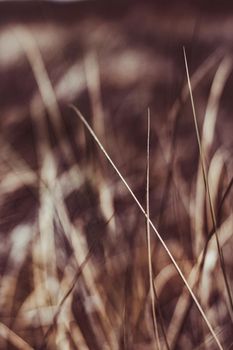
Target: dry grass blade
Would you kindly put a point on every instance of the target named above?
(93, 82)
(93, 85)
(196, 78)
(20, 174)
(64, 298)
(208, 131)
(219, 82)
(45, 254)
(207, 187)
(169, 143)
(208, 341)
(13, 338)
(151, 223)
(152, 291)
(184, 302)
(46, 90)
(53, 191)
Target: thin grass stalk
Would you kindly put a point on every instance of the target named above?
(205, 178)
(100, 145)
(150, 270)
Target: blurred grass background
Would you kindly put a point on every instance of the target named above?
(74, 245)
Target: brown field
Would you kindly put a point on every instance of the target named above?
(116, 218)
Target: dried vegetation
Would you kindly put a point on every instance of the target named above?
(116, 181)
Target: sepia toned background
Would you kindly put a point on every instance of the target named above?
(76, 265)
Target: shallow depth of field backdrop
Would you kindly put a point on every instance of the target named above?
(80, 268)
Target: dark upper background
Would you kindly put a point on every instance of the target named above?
(65, 10)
